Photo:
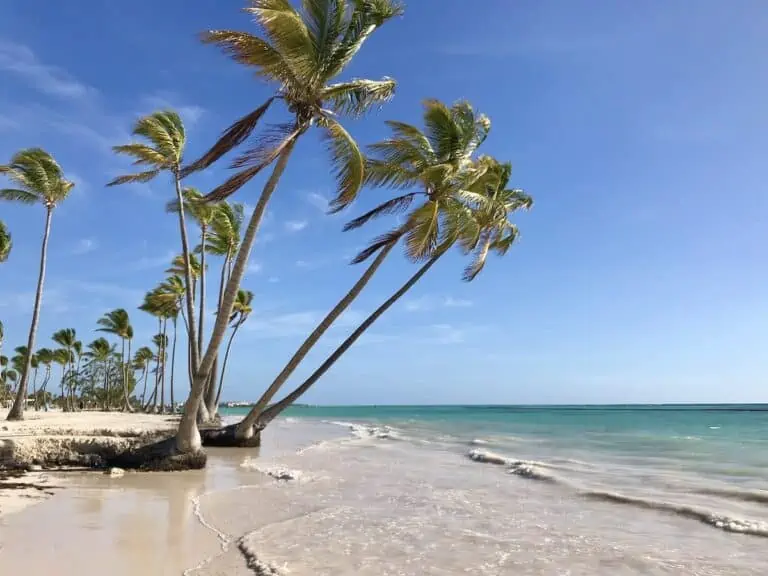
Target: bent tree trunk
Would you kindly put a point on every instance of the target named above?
(318, 332)
(173, 364)
(213, 392)
(17, 410)
(188, 437)
(226, 359)
(251, 423)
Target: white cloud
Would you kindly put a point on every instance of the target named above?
(254, 267)
(428, 303)
(190, 113)
(84, 246)
(297, 323)
(21, 60)
(319, 201)
(273, 279)
(295, 225)
(149, 262)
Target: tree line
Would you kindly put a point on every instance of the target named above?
(446, 195)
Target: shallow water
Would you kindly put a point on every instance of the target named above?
(377, 495)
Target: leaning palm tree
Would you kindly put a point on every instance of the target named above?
(38, 180)
(99, 353)
(44, 357)
(141, 361)
(436, 166)
(166, 135)
(63, 358)
(5, 242)
(302, 53)
(477, 228)
(240, 313)
(118, 322)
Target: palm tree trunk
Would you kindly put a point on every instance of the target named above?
(173, 363)
(162, 371)
(245, 428)
(188, 435)
(200, 329)
(144, 377)
(226, 359)
(213, 392)
(34, 389)
(17, 410)
(318, 332)
(189, 293)
(106, 385)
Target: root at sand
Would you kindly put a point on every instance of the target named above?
(158, 457)
(226, 437)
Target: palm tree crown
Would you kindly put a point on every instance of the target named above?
(5, 242)
(38, 179)
(303, 52)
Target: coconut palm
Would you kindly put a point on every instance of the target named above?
(203, 213)
(477, 230)
(165, 133)
(141, 360)
(67, 339)
(100, 353)
(302, 53)
(18, 362)
(44, 357)
(118, 322)
(437, 166)
(63, 358)
(240, 313)
(38, 180)
(5, 242)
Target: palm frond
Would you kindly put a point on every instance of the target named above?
(139, 177)
(478, 262)
(16, 195)
(348, 163)
(142, 154)
(232, 137)
(377, 244)
(356, 97)
(165, 131)
(325, 21)
(422, 233)
(393, 206)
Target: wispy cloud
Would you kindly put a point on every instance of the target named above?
(254, 267)
(21, 60)
(428, 303)
(273, 279)
(84, 246)
(149, 262)
(299, 323)
(163, 100)
(319, 201)
(296, 225)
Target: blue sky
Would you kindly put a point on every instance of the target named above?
(641, 129)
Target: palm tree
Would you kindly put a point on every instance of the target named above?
(477, 230)
(44, 357)
(67, 339)
(240, 313)
(165, 132)
(302, 54)
(160, 341)
(100, 352)
(5, 242)
(203, 213)
(39, 180)
(117, 322)
(18, 363)
(141, 361)
(437, 166)
(62, 357)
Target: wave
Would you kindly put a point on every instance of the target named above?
(524, 468)
(366, 430)
(726, 523)
(275, 472)
(754, 496)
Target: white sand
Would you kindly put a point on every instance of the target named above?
(44, 438)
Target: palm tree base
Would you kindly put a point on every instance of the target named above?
(161, 456)
(227, 437)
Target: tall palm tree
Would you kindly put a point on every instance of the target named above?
(203, 213)
(165, 152)
(20, 359)
(5, 242)
(240, 313)
(302, 53)
(479, 228)
(118, 322)
(63, 358)
(160, 341)
(436, 165)
(38, 180)
(67, 339)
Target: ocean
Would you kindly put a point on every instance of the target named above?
(490, 490)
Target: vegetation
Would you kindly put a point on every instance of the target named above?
(445, 194)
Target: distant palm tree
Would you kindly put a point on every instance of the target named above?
(166, 135)
(141, 361)
(39, 180)
(63, 358)
(67, 339)
(5, 242)
(160, 341)
(240, 313)
(100, 352)
(44, 357)
(118, 322)
(302, 53)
